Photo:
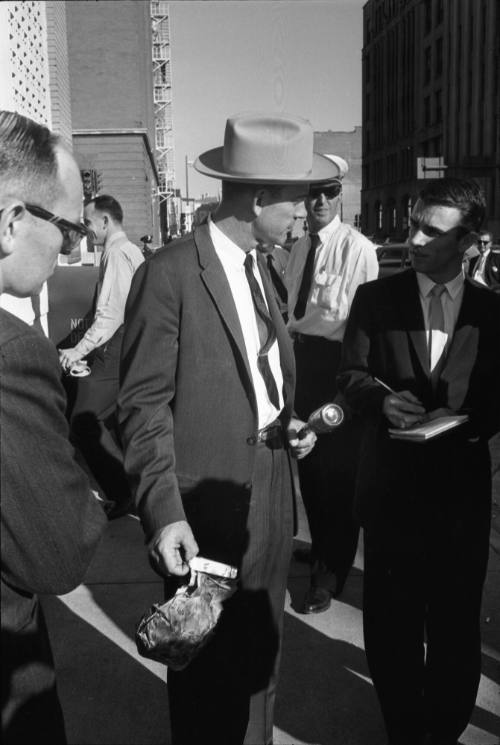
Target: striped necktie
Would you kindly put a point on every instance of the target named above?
(267, 332)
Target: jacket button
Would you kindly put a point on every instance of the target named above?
(251, 440)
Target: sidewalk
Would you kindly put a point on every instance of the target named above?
(111, 696)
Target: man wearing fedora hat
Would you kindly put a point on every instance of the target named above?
(325, 268)
(206, 416)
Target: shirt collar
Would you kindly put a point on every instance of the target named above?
(227, 249)
(329, 229)
(119, 236)
(454, 286)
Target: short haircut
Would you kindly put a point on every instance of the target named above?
(107, 204)
(28, 163)
(463, 194)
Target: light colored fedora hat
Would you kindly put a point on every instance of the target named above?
(267, 148)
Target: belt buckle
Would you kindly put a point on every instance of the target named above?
(267, 433)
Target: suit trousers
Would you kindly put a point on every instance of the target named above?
(93, 422)
(421, 620)
(227, 693)
(327, 475)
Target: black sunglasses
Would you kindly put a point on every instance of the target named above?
(72, 232)
(484, 243)
(331, 191)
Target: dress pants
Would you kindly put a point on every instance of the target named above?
(93, 422)
(327, 475)
(226, 694)
(422, 627)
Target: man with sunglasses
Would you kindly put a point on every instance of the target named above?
(485, 267)
(324, 271)
(433, 337)
(51, 522)
(93, 425)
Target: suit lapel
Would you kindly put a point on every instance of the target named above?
(411, 313)
(215, 280)
(464, 332)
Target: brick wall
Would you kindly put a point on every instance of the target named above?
(127, 175)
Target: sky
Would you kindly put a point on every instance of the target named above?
(296, 56)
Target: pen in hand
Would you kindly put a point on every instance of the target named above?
(388, 388)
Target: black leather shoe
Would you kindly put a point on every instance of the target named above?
(316, 600)
(303, 555)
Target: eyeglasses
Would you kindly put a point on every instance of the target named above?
(485, 243)
(72, 232)
(330, 192)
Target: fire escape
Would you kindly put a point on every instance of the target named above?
(164, 129)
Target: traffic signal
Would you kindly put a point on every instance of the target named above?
(88, 183)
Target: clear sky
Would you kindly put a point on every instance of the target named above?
(296, 56)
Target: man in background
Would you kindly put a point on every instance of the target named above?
(325, 268)
(93, 420)
(433, 337)
(485, 267)
(51, 523)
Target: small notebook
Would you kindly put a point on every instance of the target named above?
(427, 431)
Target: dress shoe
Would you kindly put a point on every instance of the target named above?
(316, 600)
(303, 555)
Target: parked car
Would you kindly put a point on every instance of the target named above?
(392, 257)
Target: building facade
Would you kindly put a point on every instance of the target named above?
(349, 146)
(112, 106)
(431, 105)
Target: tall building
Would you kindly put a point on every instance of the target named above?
(112, 106)
(349, 146)
(431, 104)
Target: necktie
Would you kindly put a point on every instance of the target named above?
(35, 304)
(305, 285)
(267, 332)
(437, 335)
(276, 279)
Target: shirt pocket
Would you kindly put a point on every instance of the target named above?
(331, 295)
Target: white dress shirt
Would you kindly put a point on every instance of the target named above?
(344, 260)
(119, 262)
(232, 258)
(451, 301)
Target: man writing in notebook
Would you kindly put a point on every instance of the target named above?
(433, 337)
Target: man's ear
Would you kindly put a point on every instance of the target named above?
(105, 220)
(258, 200)
(10, 218)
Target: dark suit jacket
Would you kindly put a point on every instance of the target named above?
(491, 269)
(51, 524)
(405, 487)
(187, 406)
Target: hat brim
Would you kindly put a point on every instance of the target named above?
(210, 164)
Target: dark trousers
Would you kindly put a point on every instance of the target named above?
(428, 594)
(327, 475)
(93, 422)
(31, 711)
(227, 693)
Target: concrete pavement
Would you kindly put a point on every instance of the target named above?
(111, 696)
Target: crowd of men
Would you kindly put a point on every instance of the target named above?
(206, 362)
